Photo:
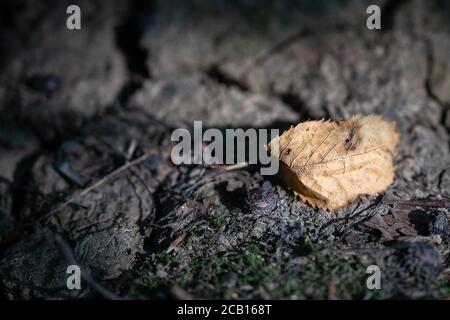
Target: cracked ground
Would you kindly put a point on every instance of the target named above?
(85, 173)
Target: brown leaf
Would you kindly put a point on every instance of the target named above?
(329, 164)
(175, 243)
(393, 226)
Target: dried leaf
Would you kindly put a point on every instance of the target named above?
(175, 243)
(329, 164)
(392, 227)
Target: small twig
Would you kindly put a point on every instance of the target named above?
(92, 187)
(356, 250)
(236, 166)
(131, 149)
(267, 52)
(441, 203)
(206, 179)
(68, 253)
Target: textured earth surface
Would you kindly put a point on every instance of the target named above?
(85, 123)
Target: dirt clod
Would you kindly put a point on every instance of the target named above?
(439, 225)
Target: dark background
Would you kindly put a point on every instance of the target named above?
(72, 102)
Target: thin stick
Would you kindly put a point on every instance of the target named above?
(236, 166)
(443, 203)
(68, 253)
(212, 175)
(131, 149)
(278, 46)
(356, 250)
(94, 186)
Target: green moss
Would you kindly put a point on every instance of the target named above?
(207, 193)
(442, 286)
(217, 220)
(255, 272)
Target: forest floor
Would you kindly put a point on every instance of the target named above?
(85, 123)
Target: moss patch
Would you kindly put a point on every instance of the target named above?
(255, 272)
